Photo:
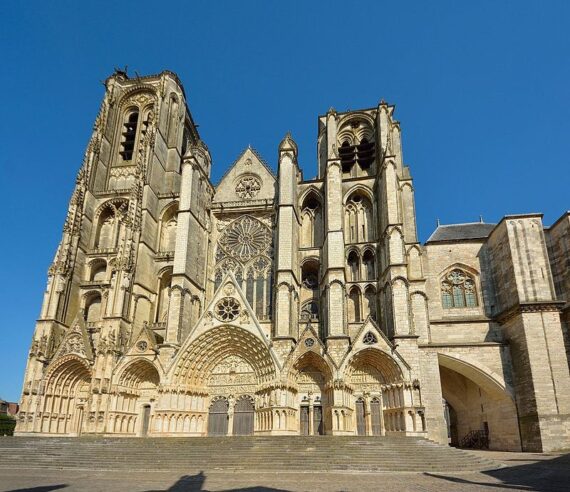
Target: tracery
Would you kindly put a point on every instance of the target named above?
(458, 290)
(245, 249)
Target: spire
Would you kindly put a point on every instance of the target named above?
(288, 144)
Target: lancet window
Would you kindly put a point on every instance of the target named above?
(129, 135)
(93, 309)
(245, 249)
(311, 222)
(173, 122)
(168, 229)
(354, 305)
(163, 298)
(359, 223)
(310, 289)
(370, 302)
(353, 262)
(368, 265)
(110, 224)
(458, 290)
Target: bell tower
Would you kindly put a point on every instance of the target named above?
(124, 255)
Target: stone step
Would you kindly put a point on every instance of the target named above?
(282, 454)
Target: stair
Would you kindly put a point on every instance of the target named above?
(251, 454)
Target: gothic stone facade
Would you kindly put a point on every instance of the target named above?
(270, 304)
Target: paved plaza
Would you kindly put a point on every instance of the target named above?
(525, 472)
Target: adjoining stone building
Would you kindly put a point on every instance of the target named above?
(274, 305)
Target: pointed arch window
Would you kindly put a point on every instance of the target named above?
(370, 302)
(458, 290)
(168, 229)
(354, 305)
(353, 267)
(311, 222)
(368, 264)
(358, 219)
(129, 135)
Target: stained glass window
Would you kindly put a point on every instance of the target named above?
(458, 290)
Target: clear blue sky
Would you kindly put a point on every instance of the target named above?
(481, 89)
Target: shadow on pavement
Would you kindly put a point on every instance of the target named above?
(196, 482)
(543, 476)
(45, 488)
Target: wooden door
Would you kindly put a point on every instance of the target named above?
(145, 420)
(360, 420)
(304, 416)
(218, 418)
(243, 418)
(318, 428)
(375, 416)
(79, 420)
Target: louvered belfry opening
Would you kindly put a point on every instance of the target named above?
(347, 154)
(129, 136)
(365, 153)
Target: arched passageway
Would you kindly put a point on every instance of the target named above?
(478, 406)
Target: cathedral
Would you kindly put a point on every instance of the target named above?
(270, 304)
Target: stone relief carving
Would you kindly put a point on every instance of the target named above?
(248, 187)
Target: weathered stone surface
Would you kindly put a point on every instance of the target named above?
(274, 305)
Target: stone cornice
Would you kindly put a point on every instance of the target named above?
(529, 307)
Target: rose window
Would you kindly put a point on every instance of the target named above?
(227, 309)
(309, 342)
(142, 346)
(246, 238)
(248, 187)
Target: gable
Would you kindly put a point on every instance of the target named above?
(249, 179)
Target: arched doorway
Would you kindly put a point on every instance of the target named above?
(66, 393)
(479, 408)
(222, 363)
(218, 417)
(243, 417)
(377, 392)
(312, 374)
(137, 388)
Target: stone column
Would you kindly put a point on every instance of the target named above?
(367, 415)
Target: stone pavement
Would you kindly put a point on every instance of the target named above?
(522, 471)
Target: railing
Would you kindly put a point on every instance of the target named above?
(475, 439)
(164, 255)
(102, 251)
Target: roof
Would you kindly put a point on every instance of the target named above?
(461, 232)
(257, 154)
